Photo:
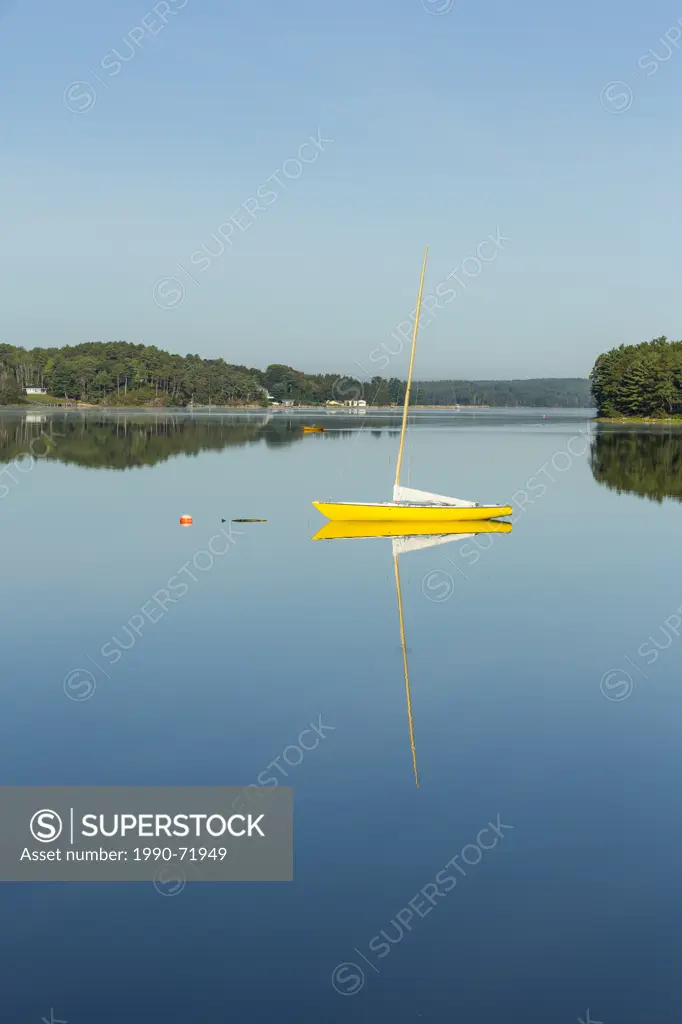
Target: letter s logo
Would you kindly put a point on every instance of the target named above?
(346, 388)
(79, 97)
(46, 826)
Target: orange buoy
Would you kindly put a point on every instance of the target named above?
(185, 520)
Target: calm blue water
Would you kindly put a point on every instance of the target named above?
(513, 643)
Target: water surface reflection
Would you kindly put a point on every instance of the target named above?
(635, 461)
(419, 537)
(124, 441)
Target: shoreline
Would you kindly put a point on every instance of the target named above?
(37, 406)
(307, 409)
(638, 419)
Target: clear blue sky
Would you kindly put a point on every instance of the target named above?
(444, 127)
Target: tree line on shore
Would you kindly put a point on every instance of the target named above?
(125, 374)
(639, 381)
(539, 392)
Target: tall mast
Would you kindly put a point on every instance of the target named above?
(409, 374)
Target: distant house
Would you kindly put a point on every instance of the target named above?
(357, 404)
(33, 390)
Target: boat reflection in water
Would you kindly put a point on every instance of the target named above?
(421, 535)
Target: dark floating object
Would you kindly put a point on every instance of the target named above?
(248, 520)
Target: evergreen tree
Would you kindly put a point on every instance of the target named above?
(639, 380)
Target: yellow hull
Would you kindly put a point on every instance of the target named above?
(339, 530)
(387, 512)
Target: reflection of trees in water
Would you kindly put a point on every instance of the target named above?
(124, 441)
(648, 463)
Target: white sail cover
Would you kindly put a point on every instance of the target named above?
(401, 545)
(420, 497)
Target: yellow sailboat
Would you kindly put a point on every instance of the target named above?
(421, 535)
(410, 505)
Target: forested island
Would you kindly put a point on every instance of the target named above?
(123, 374)
(639, 381)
